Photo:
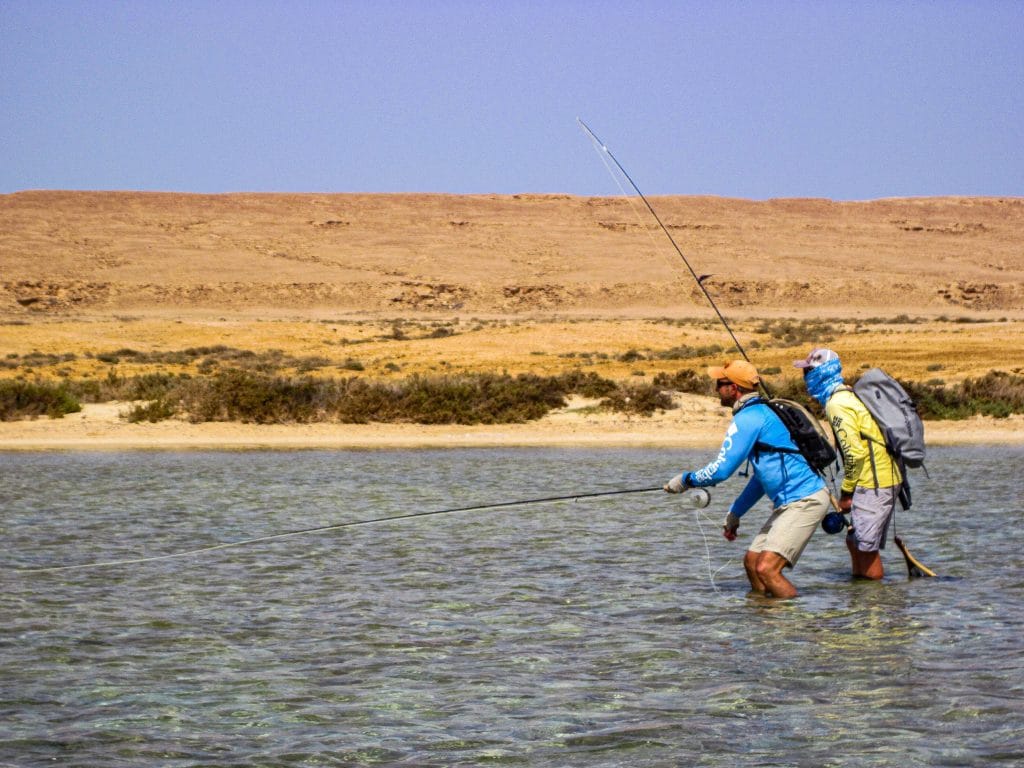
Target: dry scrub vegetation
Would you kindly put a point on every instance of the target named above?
(472, 371)
(479, 308)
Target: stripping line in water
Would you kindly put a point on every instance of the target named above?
(707, 550)
(702, 501)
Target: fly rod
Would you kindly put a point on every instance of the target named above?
(700, 283)
(698, 500)
(915, 567)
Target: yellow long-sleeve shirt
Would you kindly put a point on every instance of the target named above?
(860, 441)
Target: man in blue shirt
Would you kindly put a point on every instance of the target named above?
(798, 494)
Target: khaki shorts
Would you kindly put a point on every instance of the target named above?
(791, 526)
(871, 513)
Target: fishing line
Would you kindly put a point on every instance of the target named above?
(700, 284)
(325, 528)
(712, 574)
(602, 153)
(707, 550)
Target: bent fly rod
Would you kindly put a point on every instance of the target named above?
(697, 501)
(602, 147)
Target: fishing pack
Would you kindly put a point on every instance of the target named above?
(811, 440)
(896, 415)
(898, 420)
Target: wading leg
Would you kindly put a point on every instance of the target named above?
(750, 564)
(864, 565)
(768, 570)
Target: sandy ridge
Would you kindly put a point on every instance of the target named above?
(122, 251)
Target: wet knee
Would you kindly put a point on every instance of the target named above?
(768, 569)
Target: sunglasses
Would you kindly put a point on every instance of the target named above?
(722, 383)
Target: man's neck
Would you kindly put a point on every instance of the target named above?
(743, 399)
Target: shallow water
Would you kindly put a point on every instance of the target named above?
(590, 633)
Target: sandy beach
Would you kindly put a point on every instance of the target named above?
(697, 423)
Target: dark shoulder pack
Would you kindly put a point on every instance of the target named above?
(896, 415)
(811, 439)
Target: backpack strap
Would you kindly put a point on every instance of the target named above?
(870, 440)
(871, 458)
(760, 447)
(751, 401)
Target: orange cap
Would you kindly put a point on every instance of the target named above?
(739, 372)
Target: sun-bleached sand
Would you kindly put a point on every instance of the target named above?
(697, 423)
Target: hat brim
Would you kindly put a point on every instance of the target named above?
(717, 372)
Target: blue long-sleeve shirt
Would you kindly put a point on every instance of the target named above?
(783, 477)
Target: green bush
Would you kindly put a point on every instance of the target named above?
(587, 384)
(251, 397)
(640, 399)
(157, 410)
(481, 399)
(149, 386)
(685, 352)
(789, 333)
(997, 394)
(247, 396)
(26, 400)
(242, 394)
(686, 380)
(631, 356)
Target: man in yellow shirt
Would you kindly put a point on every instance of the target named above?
(871, 480)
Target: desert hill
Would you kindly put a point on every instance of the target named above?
(110, 286)
(103, 253)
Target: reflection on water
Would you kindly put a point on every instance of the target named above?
(578, 633)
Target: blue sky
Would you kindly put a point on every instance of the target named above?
(844, 100)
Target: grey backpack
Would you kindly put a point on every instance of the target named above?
(896, 416)
(898, 420)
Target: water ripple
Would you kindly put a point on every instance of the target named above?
(585, 633)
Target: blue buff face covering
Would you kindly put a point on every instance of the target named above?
(823, 380)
